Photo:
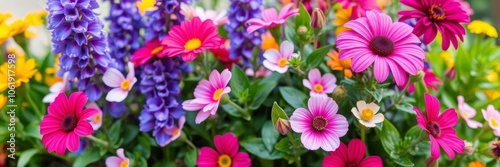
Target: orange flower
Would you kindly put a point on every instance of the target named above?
(476, 164)
(268, 42)
(339, 65)
(343, 16)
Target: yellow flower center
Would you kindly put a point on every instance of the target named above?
(125, 84)
(97, 119)
(176, 131)
(157, 50)
(494, 122)
(465, 114)
(124, 163)
(192, 44)
(282, 62)
(318, 88)
(218, 94)
(224, 161)
(366, 114)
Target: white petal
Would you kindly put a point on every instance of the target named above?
(113, 78)
(377, 118)
(361, 105)
(116, 95)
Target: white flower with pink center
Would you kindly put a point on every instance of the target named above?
(467, 113)
(121, 85)
(492, 116)
(278, 60)
(319, 85)
(96, 119)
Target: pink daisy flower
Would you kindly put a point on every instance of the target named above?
(271, 18)
(430, 81)
(467, 113)
(56, 89)
(492, 116)
(208, 95)
(444, 16)
(321, 126)
(388, 46)
(319, 85)
(440, 128)
(190, 38)
(118, 161)
(65, 122)
(261, 72)
(278, 61)
(225, 155)
(351, 155)
(142, 55)
(466, 7)
(359, 7)
(96, 119)
(175, 131)
(121, 85)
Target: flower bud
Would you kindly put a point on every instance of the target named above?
(431, 162)
(416, 78)
(339, 93)
(450, 73)
(318, 19)
(282, 126)
(302, 30)
(224, 99)
(494, 149)
(468, 148)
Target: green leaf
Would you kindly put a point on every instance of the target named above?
(303, 19)
(191, 157)
(88, 156)
(231, 111)
(143, 148)
(269, 135)
(33, 130)
(404, 161)
(293, 96)
(264, 88)
(406, 107)
(278, 112)
(239, 80)
(256, 147)
(114, 134)
(316, 57)
(389, 137)
(26, 156)
(129, 133)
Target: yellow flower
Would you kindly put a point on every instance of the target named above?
(448, 58)
(476, 164)
(4, 16)
(3, 100)
(340, 65)
(343, 16)
(22, 71)
(268, 42)
(51, 73)
(492, 94)
(492, 77)
(36, 18)
(383, 3)
(481, 27)
(145, 5)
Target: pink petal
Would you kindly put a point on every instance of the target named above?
(314, 76)
(301, 120)
(72, 142)
(435, 152)
(286, 49)
(371, 161)
(60, 144)
(432, 107)
(446, 148)
(113, 161)
(421, 119)
(227, 144)
(399, 74)
(310, 140)
(339, 125)
(131, 71)
(328, 81)
(187, 105)
(113, 78)
(208, 157)
(448, 118)
(356, 151)
(361, 62)
(83, 128)
(120, 153)
(202, 116)
(381, 69)
(329, 140)
(225, 77)
(341, 152)
(307, 84)
(89, 112)
(333, 161)
(272, 56)
(241, 159)
(116, 95)
(77, 100)
(253, 28)
(473, 124)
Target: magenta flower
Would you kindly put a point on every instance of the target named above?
(467, 113)
(322, 126)
(96, 119)
(388, 46)
(430, 81)
(444, 16)
(65, 122)
(440, 127)
(175, 131)
(359, 7)
(225, 155)
(319, 85)
(208, 95)
(121, 85)
(118, 161)
(492, 116)
(271, 18)
(351, 155)
(278, 61)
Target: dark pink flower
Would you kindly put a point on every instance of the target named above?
(359, 7)
(225, 155)
(444, 16)
(352, 155)
(440, 127)
(271, 18)
(66, 122)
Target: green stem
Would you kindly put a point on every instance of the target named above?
(420, 138)
(301, 50)
(205, 64)
(288, 79)
(398, 98)
(244, 112)
(32, 103)
(485, 126)
(363, 137)
(184, 138)
(97, 140)
(297, 154)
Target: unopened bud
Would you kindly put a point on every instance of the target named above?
(339, 93)
(450, 73)
(282, 126)
(224, 99)
(302, 30)
(416, 78)
(468, 148)
(318, 19)
(431, 162)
